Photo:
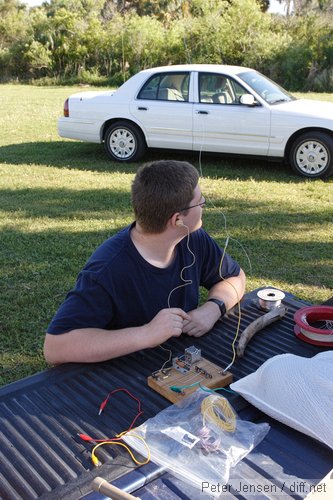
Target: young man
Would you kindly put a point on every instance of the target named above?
(141, 286)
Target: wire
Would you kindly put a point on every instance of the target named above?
(219, 412)
(179, 388)
(210, 201)
(185, 281)
(238, 323)
(166, 362)
(207, 389)
(116, 440)
(228, 238)
(189, 282)
(96, 462)
(121, 389)
(238, 304)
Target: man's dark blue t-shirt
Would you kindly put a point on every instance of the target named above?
(118, 288)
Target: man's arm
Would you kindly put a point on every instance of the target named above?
(230, 290)
(90, 345)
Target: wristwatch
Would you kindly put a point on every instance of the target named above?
(221, 305)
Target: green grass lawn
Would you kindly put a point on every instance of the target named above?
(60, 199)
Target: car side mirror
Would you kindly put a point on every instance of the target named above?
(247, 100)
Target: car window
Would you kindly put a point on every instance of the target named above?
(266, 88)
(166, 87)
(219, 89)
(238, 90)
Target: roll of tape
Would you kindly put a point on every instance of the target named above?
(270, 298)
(305, 321)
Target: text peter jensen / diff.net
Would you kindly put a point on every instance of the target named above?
(287, 488)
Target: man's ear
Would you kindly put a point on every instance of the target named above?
(176, 217)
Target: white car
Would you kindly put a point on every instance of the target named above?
(204, 107)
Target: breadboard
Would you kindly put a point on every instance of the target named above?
(173, 377)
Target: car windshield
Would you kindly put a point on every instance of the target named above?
(271, 92)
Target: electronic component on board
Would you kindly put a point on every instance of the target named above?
(184, 362)
(192, 355)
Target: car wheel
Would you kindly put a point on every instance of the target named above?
(311, 155)
(124, 142)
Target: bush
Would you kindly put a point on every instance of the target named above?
(307, 62)
(84, 42)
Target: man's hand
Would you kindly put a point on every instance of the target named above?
(201, 320)
(167, 323)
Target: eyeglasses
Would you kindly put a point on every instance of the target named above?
(201, 204)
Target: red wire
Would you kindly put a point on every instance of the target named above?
(101, 408)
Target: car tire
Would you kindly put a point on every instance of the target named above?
(311, 155)
(124, 142)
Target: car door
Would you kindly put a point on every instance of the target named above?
(163, 109)
(222, 124)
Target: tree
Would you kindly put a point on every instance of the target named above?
(301, 7)
(14, 32)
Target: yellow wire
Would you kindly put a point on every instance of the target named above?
(97, 462)
(219, 411)
(239, 310)
(237, 329)
(185, 281)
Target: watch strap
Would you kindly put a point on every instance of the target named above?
(221, 305)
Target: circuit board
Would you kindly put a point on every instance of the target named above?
(201, 372)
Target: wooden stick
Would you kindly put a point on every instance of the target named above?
(102, 486)
(257, 325)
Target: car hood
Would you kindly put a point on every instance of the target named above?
(306, 107)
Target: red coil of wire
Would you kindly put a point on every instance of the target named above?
(310, 315)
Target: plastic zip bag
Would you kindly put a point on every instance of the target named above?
(198, 439)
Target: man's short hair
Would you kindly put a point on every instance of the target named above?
(160, 189)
